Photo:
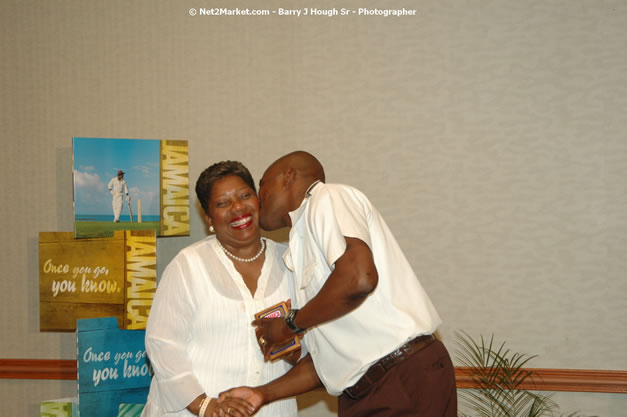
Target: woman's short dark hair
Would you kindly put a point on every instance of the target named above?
(218, 171)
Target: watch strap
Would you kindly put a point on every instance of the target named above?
(289, 321)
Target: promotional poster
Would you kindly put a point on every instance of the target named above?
(96, 277)
(130, 184)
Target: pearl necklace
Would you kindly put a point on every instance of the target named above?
(237, 258)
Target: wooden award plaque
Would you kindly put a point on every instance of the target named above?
(277, 311)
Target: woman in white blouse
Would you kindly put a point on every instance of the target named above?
(199, 336)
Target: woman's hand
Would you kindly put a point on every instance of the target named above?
(238, 402)
(231, 407)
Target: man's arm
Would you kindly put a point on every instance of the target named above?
(300, 379)
(353, 279)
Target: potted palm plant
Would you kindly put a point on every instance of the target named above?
(499, 374)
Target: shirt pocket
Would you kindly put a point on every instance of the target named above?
(309, 272)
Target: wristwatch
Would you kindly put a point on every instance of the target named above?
(289, 320)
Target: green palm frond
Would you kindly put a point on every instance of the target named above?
(499, 375)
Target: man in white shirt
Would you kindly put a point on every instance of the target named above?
(366, 321)
(117, 188)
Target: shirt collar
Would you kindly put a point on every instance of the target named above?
(310, 189)
(296, 214)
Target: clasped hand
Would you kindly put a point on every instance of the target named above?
(238, 402)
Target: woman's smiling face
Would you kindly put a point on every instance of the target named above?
(234, 212)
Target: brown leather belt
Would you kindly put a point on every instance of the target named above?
(380, 367)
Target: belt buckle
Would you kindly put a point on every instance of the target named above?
(398, 352)
(391, 359)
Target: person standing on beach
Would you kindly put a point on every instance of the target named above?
(117, 188)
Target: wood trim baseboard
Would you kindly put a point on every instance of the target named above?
(570, 380)
(38, 369)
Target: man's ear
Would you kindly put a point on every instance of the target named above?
(289, 177)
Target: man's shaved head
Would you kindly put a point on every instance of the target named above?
(283, 186)
(306, 165)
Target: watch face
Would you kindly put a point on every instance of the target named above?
(289, 320)
(290, 315)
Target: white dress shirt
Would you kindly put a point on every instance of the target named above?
(118, 186)
(199, 336)
(394, 313)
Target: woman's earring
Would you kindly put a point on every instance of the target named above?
(211, 229)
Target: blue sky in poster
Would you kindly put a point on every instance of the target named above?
(98, 160)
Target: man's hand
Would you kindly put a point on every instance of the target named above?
(293, 357)
(251, 397)
(271, 333)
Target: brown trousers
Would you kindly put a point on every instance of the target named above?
(422, 385)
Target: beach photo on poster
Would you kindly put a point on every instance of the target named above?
(116, 185)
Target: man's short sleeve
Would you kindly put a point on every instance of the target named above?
(337, 212)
